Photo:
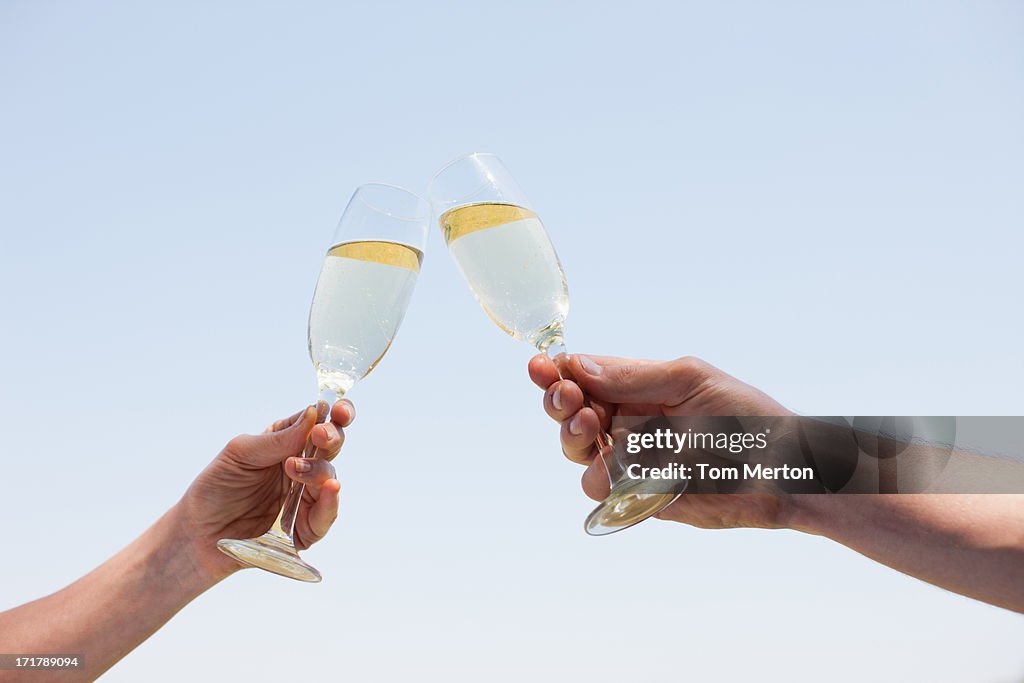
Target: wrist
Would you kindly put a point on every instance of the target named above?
(193, 558)
(810, 513)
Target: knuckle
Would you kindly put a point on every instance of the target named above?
(236, 446)
(688, 373)
(690, 366)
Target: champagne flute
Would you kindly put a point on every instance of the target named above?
(365, 284)
(506, 257)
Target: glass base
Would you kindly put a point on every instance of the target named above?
(271, 552)
(625, 507)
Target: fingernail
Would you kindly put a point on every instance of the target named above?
(303, 465)
(575, 428)
(589, 366)
(556, 398)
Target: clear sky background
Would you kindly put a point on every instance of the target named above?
(824, 199)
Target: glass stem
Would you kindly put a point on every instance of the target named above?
(605, 444)
(285, 524)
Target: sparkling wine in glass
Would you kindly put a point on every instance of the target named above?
(365, 285)
(506, 257)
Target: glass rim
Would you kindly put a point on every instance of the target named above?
(423, 206)
(456, 160)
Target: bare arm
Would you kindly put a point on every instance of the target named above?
(969, 544)
(106, 614)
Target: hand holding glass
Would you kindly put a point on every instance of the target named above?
(506, 257)
(365, 285)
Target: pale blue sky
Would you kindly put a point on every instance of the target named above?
(823, 199)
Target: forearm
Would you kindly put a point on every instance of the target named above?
(969, 544)
(104, 615)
